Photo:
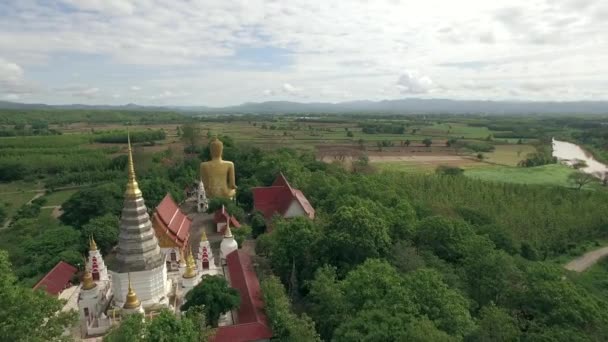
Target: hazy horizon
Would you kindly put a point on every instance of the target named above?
(111, 52)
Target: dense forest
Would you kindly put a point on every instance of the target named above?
(390, 256)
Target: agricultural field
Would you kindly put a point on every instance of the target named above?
(554, 174)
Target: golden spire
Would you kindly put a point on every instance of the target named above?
(132, 186)
(92, 244)
(204, 236)
(132, 300)
(190, 268)
(228, 232)
(87, 279)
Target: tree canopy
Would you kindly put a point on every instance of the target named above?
(215, 296)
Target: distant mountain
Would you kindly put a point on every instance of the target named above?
(424, 106)
(400, 106)
(129, 106)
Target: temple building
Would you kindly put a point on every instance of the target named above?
(138, 259)
(205, 262)
(222, 218)
(249, 321)
(281, 199)
(58, 279)
(202, 203)
(95, 294)
(95, 263)
(172, 229)
(228, 245)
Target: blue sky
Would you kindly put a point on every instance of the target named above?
(228, 52)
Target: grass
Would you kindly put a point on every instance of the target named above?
(554, 174)
(508, 155)
(58, 197)
(15, 201)
(594, 279)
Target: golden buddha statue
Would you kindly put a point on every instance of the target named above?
(217, 174)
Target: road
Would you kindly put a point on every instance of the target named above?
(587, 260)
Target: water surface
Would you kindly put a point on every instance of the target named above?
(570, 153)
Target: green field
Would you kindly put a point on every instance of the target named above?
(508, 155)
(58, 197)
(554, 174)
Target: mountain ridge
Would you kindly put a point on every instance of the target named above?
(397, 106)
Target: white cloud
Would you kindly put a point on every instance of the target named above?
(205, 48)
(290, 90)
(410, 82)
(11, 97)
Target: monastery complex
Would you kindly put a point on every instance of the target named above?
(162, 254)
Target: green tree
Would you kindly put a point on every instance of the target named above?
(258, 224)
(155, 188)
(104, 229)
(427, 142)
(355, 234)
(167, 327)
(286, 325)
(131, 329)
(445, 237)
(28, 315)
(580, 179)
(214, 294)
(191, 135)
(241, 234)
(446, 307)
(294, 241)
(496, 325)
(328, 304)
(92, 202)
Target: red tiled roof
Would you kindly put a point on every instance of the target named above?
(250, 323)
(278, 197)
(221, 215)
(170, 217)
(57, 279)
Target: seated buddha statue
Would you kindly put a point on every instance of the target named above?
(217, 174)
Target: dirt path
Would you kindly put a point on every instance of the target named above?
(587, 260)
(8, 222)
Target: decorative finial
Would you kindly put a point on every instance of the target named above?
(132, 186)
(204, 236)
(228, 232)
(190, 268)
(92, 244)
(87, 279)
(132, 301)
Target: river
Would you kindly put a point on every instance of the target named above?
(570, 153)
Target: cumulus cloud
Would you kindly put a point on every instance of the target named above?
(410, 82)
(290, 89)
(194, 46)
(13, 82)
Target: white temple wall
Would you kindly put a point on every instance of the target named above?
(295, 209)
(150, 286)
